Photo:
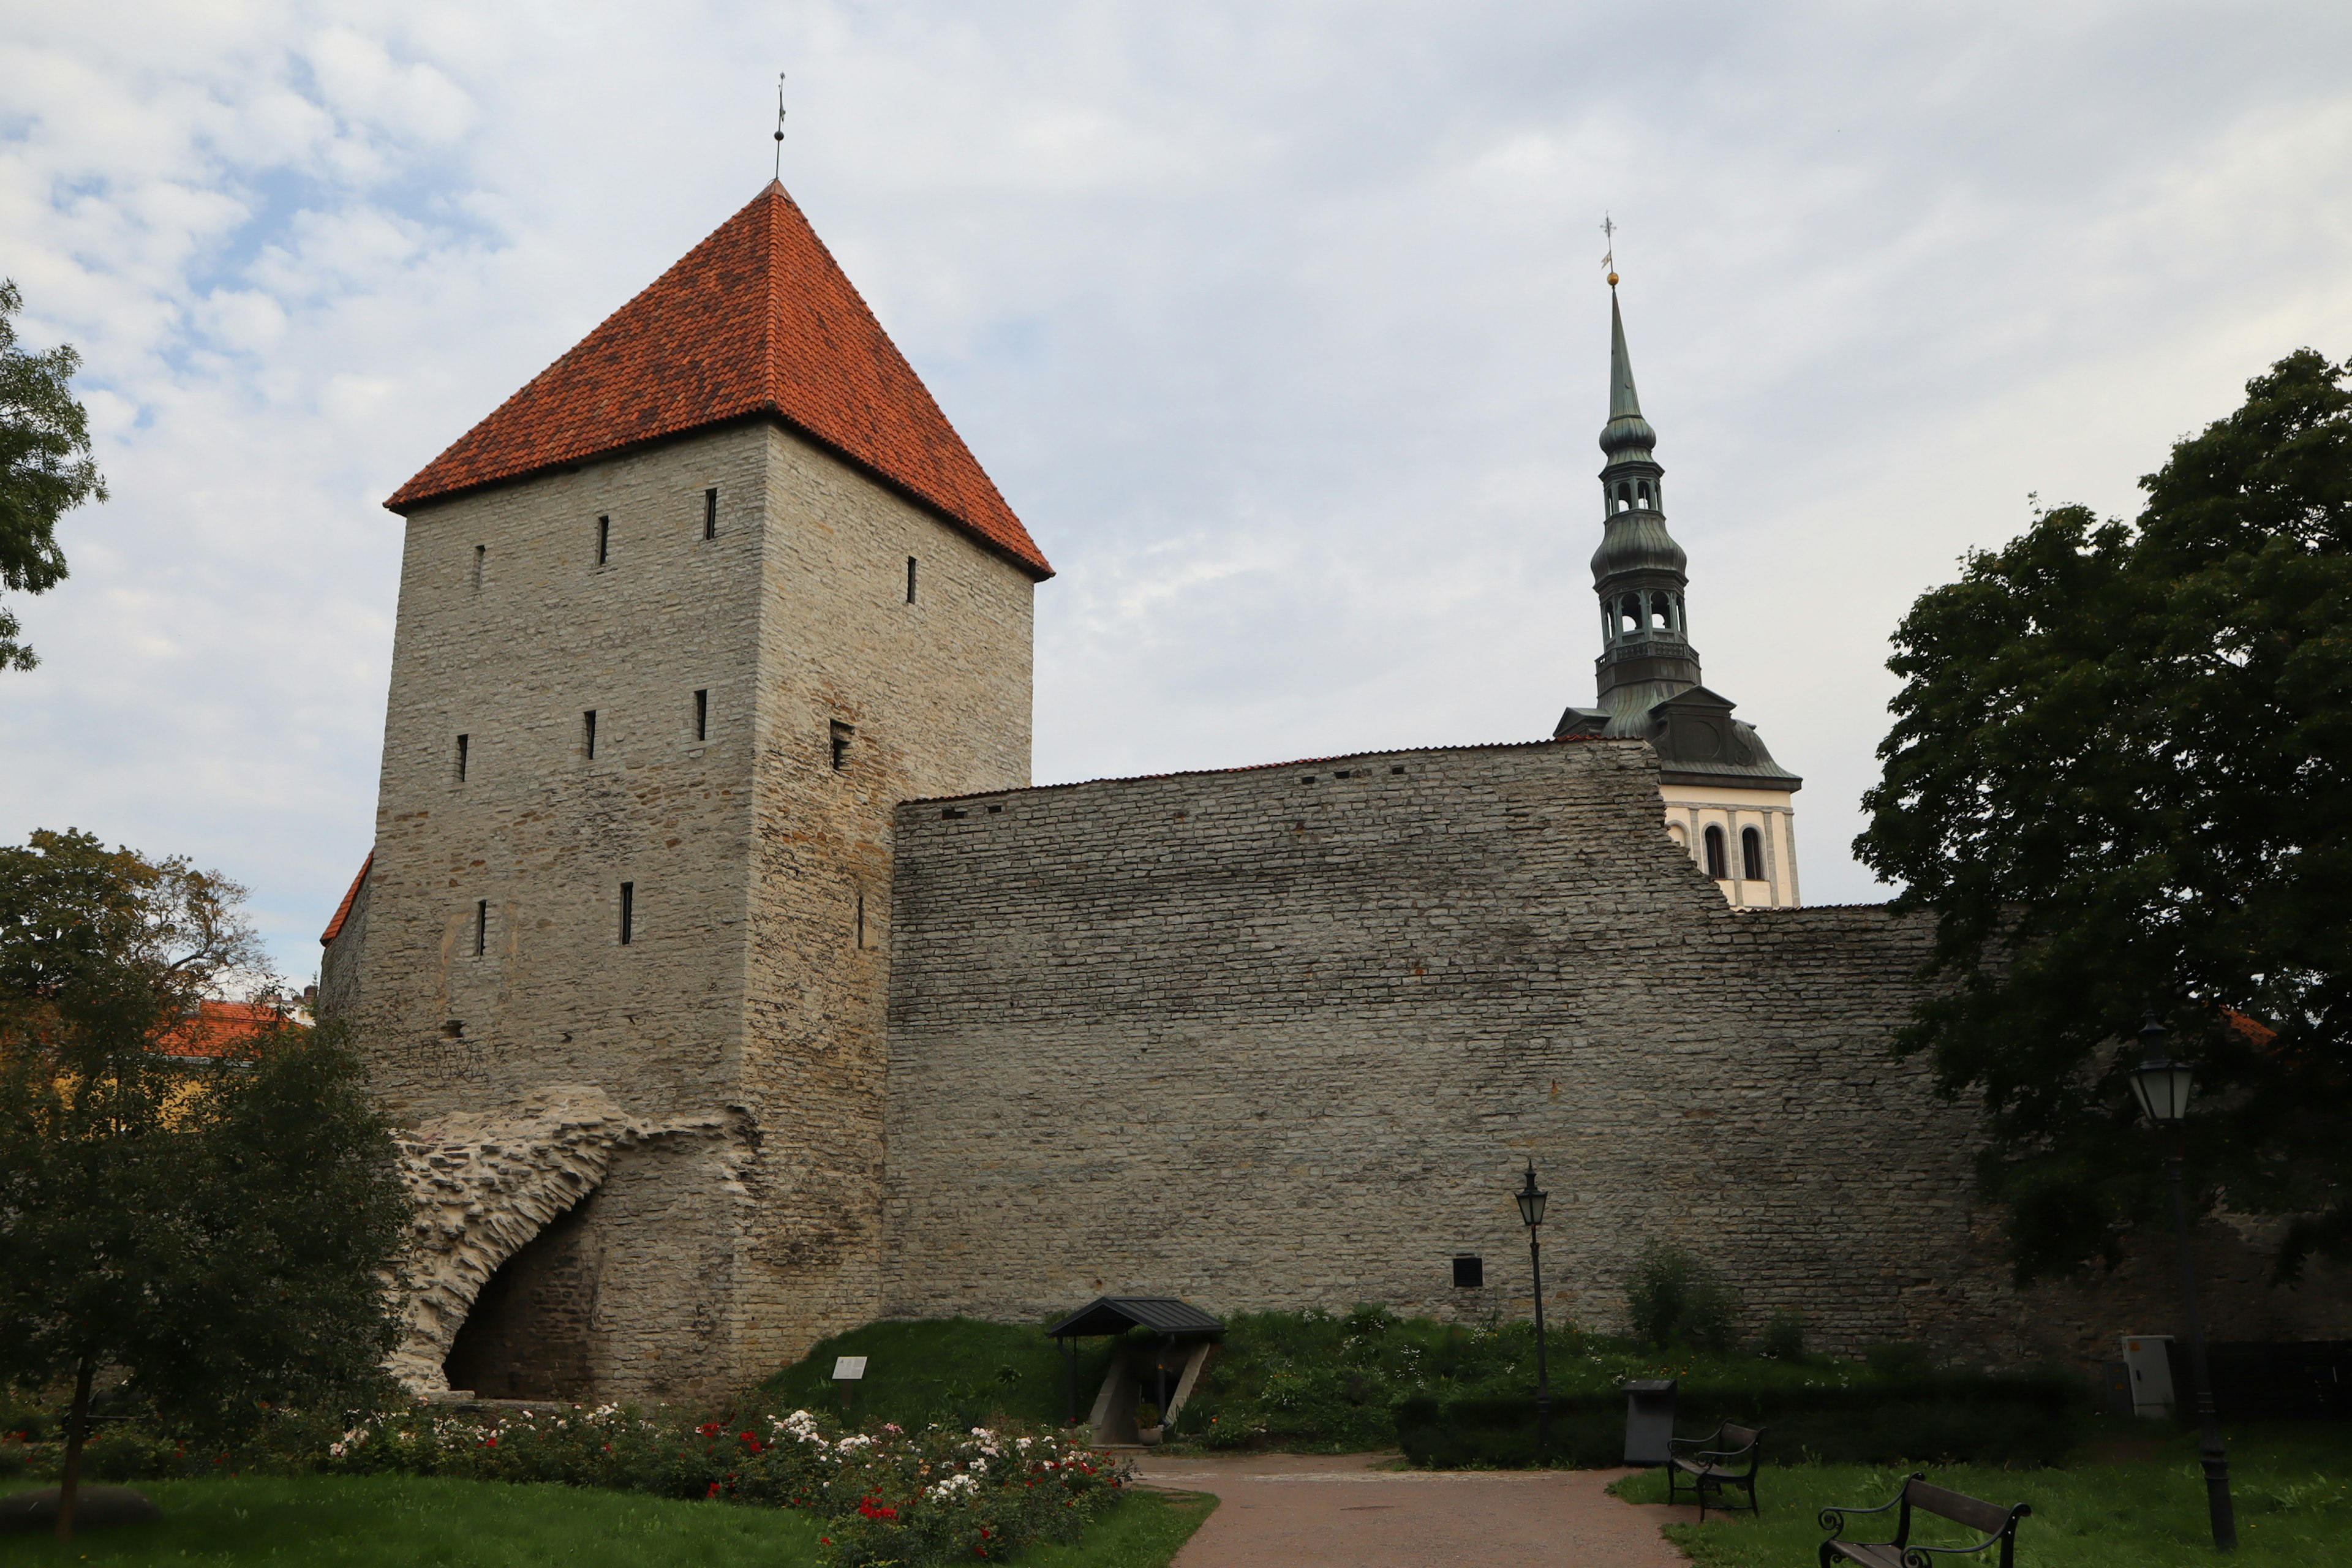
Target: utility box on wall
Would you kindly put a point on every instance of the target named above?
(2148, 1358)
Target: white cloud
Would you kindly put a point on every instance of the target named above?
(1281, 326)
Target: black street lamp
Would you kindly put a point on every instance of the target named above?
(1531, 1210)
(2162, 1087)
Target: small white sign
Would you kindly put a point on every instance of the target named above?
(848, 1368)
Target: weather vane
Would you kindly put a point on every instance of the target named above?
(1609, 259)
(780, 125)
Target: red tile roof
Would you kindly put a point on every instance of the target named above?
(759, 319)
(219, 1027)
(343, 910)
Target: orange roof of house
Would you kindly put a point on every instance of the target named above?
(759, 319)
(219, 1026)
(343, 910)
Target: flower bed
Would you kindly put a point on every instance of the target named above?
(889, 1496)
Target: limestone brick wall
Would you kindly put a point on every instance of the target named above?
(934, 694)
(491, 964)
(1286, 1038)
(341, 961)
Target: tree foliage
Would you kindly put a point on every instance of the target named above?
(2120, 777)
(46, 467)
(212, 1230)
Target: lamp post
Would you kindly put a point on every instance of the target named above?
(1531, 1210)
(2162, 1087)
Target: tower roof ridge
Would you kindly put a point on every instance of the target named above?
(757, 319)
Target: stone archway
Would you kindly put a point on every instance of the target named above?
(487, 1186)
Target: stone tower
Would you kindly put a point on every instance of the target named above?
(680, 622)
(1728, 802)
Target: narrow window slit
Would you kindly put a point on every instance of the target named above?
(842, 735)
(910, 579)
(463, 745)
(710, 514)
(628, 912)
(481, 553)
(702, 714)
(481, 926)
(603, 541)
(588, 733)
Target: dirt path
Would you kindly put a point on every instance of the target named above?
(1298, 1510)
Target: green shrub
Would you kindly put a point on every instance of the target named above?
(1784, 1336)
(1675, 1299)
(2026, 1419)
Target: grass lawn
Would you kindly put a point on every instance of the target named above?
(2293, 1486)
(957, 1371)
(404, 1521)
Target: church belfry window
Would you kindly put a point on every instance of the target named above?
(1716, 867)
(1751, 855)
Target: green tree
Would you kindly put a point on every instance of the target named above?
(46, 467)
(2120, 777)
(214, 1230)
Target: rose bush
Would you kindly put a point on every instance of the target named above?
(889, 1496)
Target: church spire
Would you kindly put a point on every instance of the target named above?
(1639, 571)
(1626, 430)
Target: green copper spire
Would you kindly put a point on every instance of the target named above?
(1627, 434)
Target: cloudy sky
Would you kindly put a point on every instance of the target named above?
(1281, 325)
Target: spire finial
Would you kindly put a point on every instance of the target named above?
(780, 125)
(1609, 260)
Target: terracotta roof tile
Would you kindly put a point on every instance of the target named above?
(343, 910)
(219, 1027)
(757, 319)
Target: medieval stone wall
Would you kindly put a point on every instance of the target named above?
(489, 964)
(1285, 1037)
(935, 692)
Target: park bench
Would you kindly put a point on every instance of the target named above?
(1715, 1465)
(1999, 1523)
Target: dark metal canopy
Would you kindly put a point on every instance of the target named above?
(1117, 1314)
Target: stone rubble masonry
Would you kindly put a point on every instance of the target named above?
(1286, 1038)
(485, 1184)
(744, 1004)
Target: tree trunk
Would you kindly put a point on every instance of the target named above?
(76, 1428)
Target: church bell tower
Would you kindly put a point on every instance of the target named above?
(1728, 802)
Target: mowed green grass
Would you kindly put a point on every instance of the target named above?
(2293, 1487)
(406, 1522)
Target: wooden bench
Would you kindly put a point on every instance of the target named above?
(1999, 1523)
(1715, 1465)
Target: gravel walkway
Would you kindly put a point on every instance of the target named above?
(1298, 1510)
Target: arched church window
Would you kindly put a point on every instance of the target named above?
(1751, 855)
(1642, 491)
(1629, 613)
(1715, 868)
(1661, 617)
